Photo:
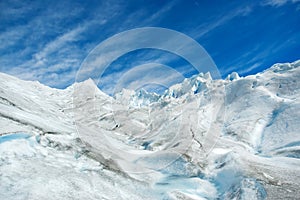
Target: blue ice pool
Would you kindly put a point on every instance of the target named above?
(14, 136)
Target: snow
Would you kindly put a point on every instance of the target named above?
(236, 138)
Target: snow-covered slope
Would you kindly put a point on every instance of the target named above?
(237, 138)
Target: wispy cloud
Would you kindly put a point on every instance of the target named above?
(149, 73)
(157, 38)
(160, 13)
(250, 68)
(57, 44)
(54, 62)
(256, 58)
(278, 3)
(54, 46)
(142, 75)
(220, 20)
(11, 37)
(48, 41)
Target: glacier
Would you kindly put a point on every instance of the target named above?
(233, 138)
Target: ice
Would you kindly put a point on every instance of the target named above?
(233, 76)
(236, 138)
(9, 137)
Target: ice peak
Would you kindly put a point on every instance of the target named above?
(282, 67)
(233, 76)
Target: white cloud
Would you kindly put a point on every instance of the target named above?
(278, 3)
(59, 54)
(255, 58)
(156, 38)
(154, 17)
(221, 20)
(149, 73)
(250, 68)
(143, 74)
(37, 57)
(12, 36)
(58, 43)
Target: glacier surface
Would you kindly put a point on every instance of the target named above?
(237, 138)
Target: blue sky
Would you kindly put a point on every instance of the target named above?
(48, 40)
